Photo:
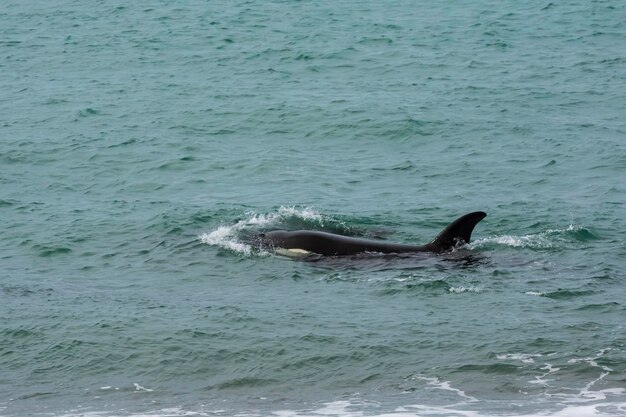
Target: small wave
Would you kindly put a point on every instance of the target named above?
(551, 238)
(24, 290)
(88, 112)
(566, 294)
(437, 286)
(246, 382)
(608, 306)
(7, 203)
(522, 357)
(233, 237)
(51, 250)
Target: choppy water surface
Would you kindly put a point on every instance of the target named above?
(141, 145)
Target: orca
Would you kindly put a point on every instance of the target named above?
(305, 242)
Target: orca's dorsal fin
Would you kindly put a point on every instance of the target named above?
(457, 232)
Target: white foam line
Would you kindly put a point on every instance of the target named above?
(343, 408)
(523, 357)
(462, 289)
(532, 241)
(445, 385)
(140, 388)
(541, 378)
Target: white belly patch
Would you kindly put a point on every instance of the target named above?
(293, 253)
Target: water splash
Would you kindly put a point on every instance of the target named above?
(232, 237)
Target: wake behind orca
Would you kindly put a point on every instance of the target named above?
(303, 242)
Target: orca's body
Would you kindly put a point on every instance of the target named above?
(329, 244)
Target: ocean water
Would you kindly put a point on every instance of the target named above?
(143, 143)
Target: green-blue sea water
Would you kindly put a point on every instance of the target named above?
(142, 144)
